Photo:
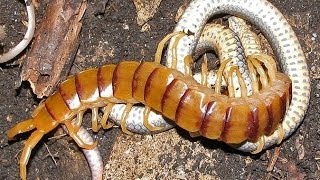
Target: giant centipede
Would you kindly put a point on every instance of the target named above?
(193, 107)
(280, 89)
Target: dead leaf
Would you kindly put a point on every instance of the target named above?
(146, 9)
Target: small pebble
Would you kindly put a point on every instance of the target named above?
(125, 26)
(9, 117)
(145, 27)
(314, 36)
(248, 161)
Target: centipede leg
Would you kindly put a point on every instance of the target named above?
(146, 123)
(281, 134)
(124, 118)
(219, 76)
(230, 82)
(162, 43)
(104, 121)
(253, 76)
(22, 127)
(204, 71)
(261, 143)
(94, 120)
(269, 62)
(242, 83)
(260, 70)
(174, 51)
(77, 124)
(187, 67)
(29, 145)
(194, 134)
(77, 139)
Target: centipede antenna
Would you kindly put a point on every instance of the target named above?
(146, 123)
(253, 76)
(187, 67)
(260, 70)
(174, 51)
(94, 120)
(104, 121)
(204, 71)
(241, 82)
(217, 88)
(269, 63)
(162, 43)
(124, 117)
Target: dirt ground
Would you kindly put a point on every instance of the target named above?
(112, 35)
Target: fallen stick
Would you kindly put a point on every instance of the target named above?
(54, 46)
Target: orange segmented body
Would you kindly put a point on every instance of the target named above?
(193, 107)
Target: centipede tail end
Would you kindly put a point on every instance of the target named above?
(26, 152)
(22, 127)
(43, 123)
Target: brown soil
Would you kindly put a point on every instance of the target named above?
(113, 35)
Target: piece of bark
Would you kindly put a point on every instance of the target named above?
(54, 46)
(100, 7)
(2, 33)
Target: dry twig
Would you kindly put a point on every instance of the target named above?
(53, 156)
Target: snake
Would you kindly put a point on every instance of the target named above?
(27, 37)
(296, 70)
(278, 32)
